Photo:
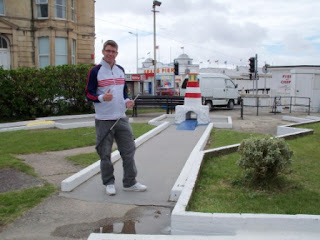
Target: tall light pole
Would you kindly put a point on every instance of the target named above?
(136, 34)
(155, 3)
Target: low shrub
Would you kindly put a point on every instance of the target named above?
(263, 159)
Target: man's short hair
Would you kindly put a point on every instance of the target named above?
(111, 43)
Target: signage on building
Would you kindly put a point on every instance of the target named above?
(135, 77)
(159, 70)
(286, 79)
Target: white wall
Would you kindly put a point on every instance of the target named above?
(307, 84)
(291, 81)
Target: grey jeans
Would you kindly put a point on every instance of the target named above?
(122, 134)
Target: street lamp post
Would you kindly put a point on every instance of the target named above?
(155, 3)
(137, 52)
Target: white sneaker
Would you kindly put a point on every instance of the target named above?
(111, 190)
(138, 187)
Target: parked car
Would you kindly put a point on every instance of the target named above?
(167, 92)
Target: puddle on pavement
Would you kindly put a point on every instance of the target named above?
(139, 220)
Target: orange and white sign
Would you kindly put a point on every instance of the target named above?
(160, 70)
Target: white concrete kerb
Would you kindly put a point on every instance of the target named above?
(103, 236)
(67, 117)
(222, 124)
(290, 130)
(157, 121)
(24, 125)
(239, 225)
(191, 161)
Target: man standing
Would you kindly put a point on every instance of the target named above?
(107, 89)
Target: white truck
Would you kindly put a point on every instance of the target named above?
(216, 90)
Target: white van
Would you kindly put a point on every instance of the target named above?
(216, 90)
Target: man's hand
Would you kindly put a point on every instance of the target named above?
(108, 96)
(130, 104)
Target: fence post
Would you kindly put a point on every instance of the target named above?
(309, 106)
(257, 106)
(241, 111)
(290, 103)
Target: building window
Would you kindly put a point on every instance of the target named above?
(61, 51)
(44, 53)
(60, 9)
(5, 61)
(3, 42)
(42, 8)
(72, 10)
(73, 52)
(1, 7)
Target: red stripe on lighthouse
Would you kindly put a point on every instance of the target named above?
(193, 84)
(193, 95)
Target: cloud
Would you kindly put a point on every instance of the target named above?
(295, 44)
(229, 30)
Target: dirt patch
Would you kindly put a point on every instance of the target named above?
(12, 180)
(53, 166)
(264, 124)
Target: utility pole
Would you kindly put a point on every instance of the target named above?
(137, 51)
(155, 3)
(256, 73)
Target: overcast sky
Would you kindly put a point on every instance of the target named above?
(212, 32)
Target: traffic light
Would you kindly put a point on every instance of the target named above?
(252, 65)
(176, 68)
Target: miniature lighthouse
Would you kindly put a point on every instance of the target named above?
(192, 108)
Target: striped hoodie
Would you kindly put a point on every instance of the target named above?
(100, 79)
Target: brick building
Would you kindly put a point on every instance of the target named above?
(38, 33)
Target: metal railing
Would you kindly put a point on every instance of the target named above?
(276, 103)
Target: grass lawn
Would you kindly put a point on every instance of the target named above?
(142, 110)
(13, 204)
(217, 190)
(223, 137)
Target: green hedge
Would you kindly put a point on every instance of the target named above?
(26, 93)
